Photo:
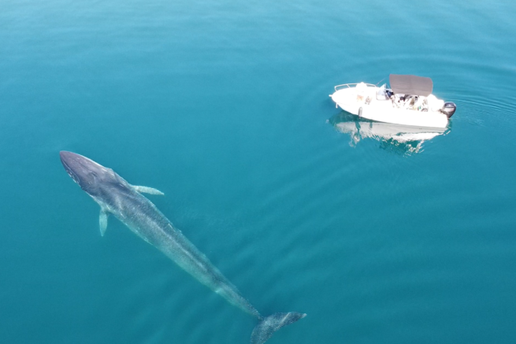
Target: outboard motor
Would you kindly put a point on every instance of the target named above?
(449, 109)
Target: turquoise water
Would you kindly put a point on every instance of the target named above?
(224, 107)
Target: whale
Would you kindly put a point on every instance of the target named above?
(124, 201)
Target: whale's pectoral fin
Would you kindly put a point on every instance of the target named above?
(268, 325)
(146, 189)
(103, 221)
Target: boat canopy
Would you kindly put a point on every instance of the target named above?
(411, 84)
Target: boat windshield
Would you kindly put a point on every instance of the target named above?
(381, 93)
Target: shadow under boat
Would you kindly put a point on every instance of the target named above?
(399, 138)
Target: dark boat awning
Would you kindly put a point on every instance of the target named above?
(411, 84)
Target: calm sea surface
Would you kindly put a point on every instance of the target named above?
(224, 107)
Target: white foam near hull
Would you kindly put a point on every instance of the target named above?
(388, 131)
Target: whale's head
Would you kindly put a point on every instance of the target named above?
(87, 173)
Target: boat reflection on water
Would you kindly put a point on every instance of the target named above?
(401, 139)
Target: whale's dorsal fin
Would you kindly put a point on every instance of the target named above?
(146, 189)
(103, 221)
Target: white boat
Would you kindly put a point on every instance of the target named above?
(408, 101)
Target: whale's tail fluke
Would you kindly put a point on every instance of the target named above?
(268, 325)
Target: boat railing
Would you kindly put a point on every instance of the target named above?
(353, 84)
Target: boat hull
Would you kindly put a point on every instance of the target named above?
(364, 103)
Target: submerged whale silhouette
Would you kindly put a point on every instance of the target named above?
(123, 200)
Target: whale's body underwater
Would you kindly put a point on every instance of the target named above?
(117, 197)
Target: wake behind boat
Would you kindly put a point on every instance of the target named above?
(408, 101)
